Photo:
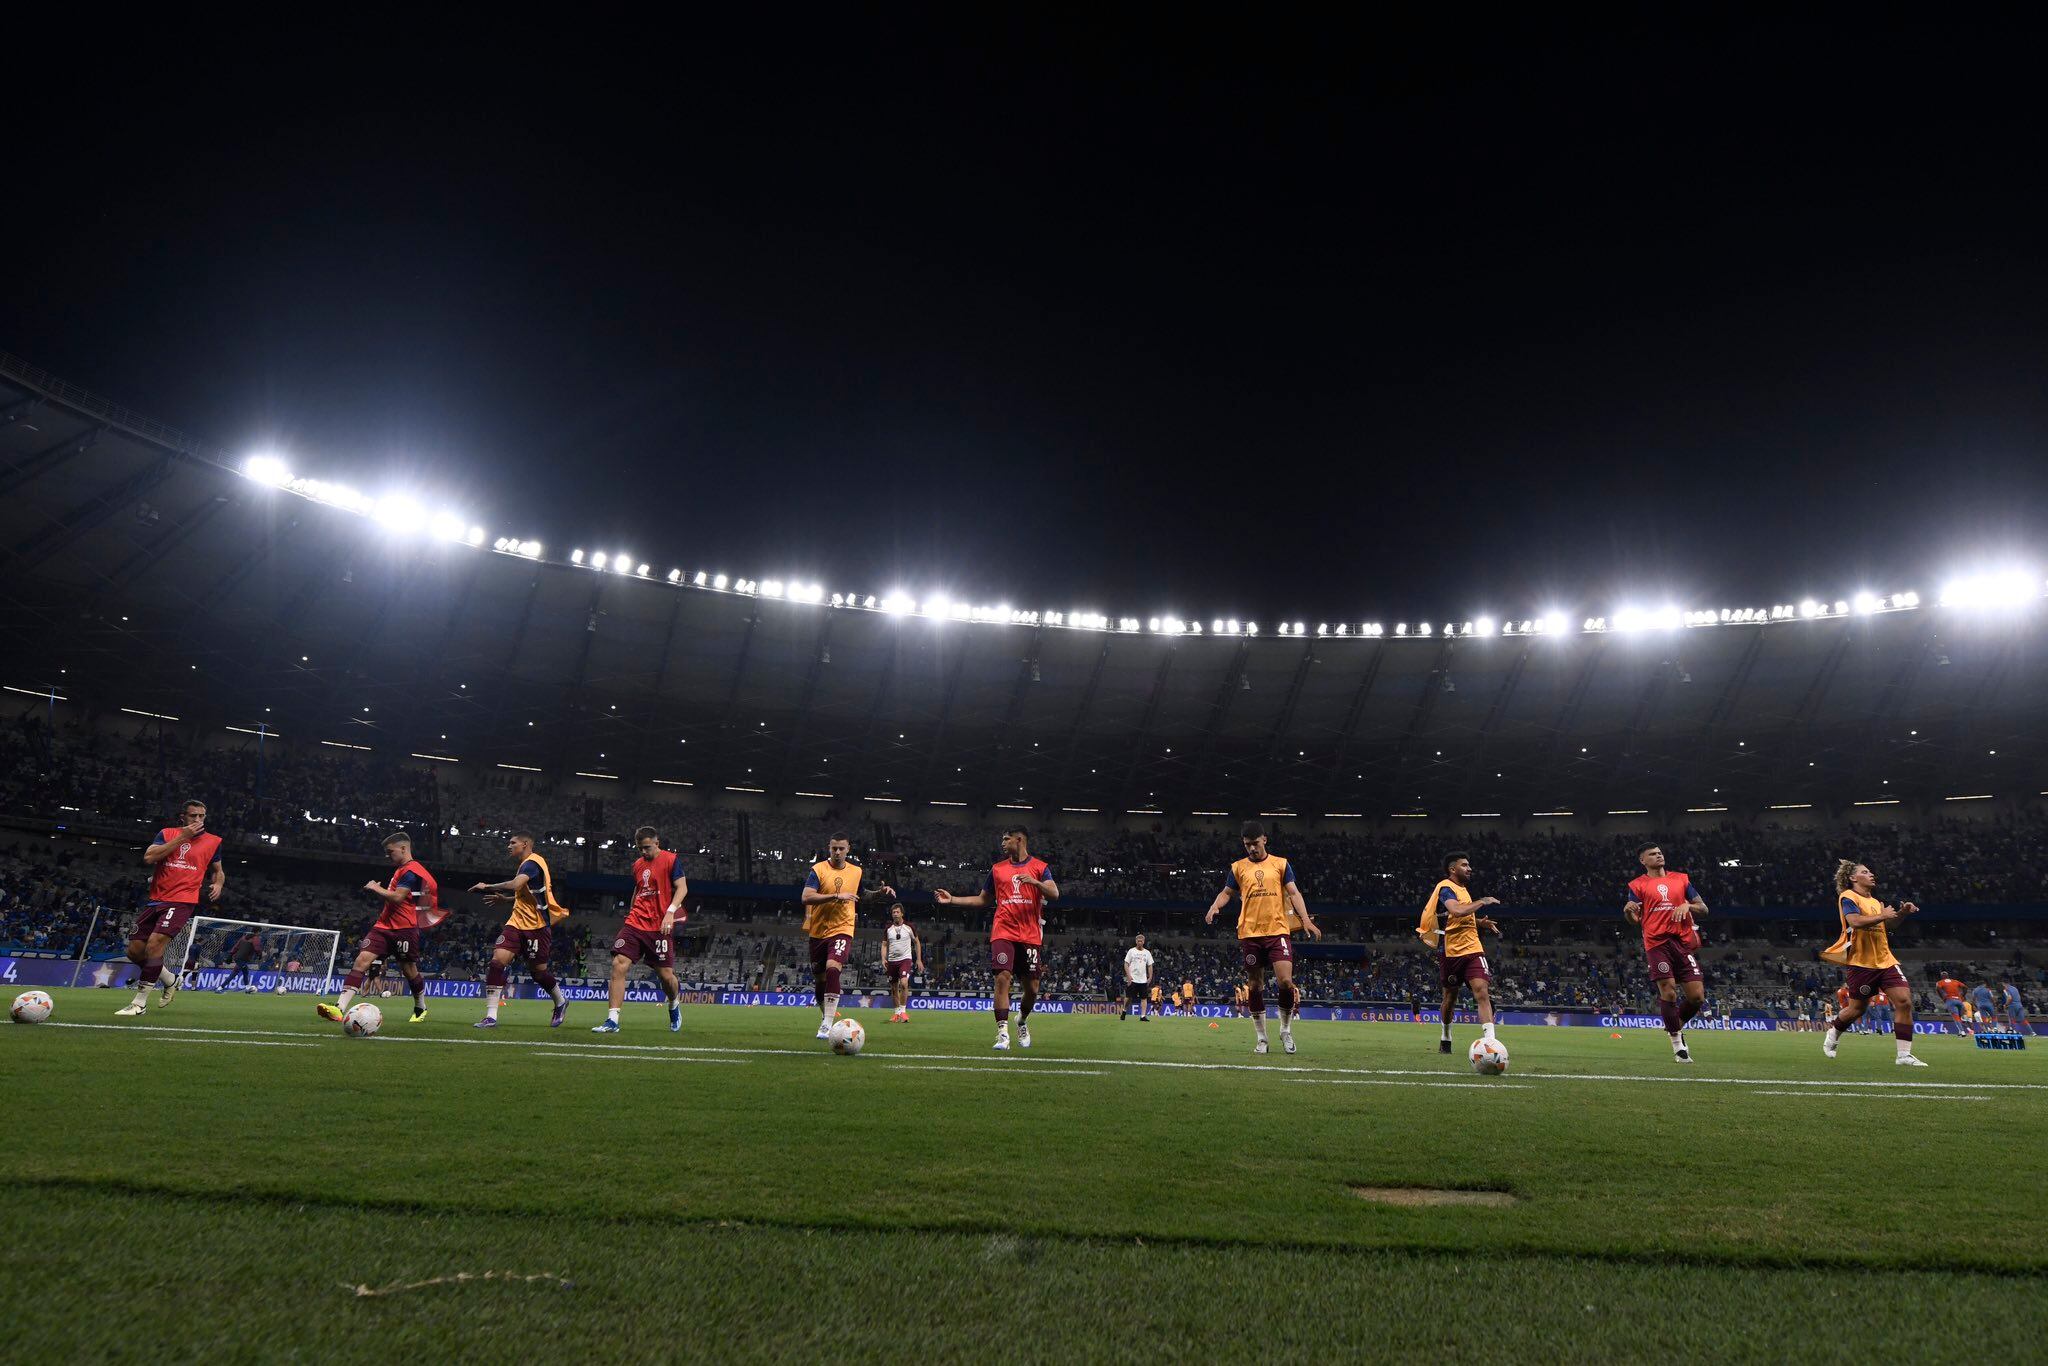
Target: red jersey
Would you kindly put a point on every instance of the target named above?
(178, 878)
(1950, 988)
(424, 896)
(1020, 909)
(654, 882)
(1663, 897)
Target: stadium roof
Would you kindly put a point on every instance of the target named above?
(146, 576)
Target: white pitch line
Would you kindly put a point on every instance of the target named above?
(1866, 1095)
(546, 1051)
(1392, 1081)
(998, 1070)
(1281, 1069)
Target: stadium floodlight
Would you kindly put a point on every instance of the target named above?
(1809, 609)
(675, 576)
(1284, 628)
(1299, 629)
(576, 557)
(445, 526)
(1230, 625)
(475, 535)
(1251, 628)
(1401, 629)
(1906, 599)
(897, 603)
(1423, 629)
(1152, 624)
(266, 468)
(641, 571)
(1373, 628)
(530, 549)
(400, 514)
(772, 588)
(501, 544)
(1866, 602)
(1216, 627)
(1322, 628)
(2007, 588)
(718, 581)
(1483, 626)
(622, 562)
(600, 560)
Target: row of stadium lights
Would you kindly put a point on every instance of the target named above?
(402, 515)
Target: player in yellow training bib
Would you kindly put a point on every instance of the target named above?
(1264, 885)
(1450, 924)
(1864, 951)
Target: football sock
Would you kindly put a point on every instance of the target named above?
(347, 994)
(1689, 1008)
(492, 995)
(1669, 1010)
(831, 1007)
(1905, 1046)
(1003, 1018)
(1486, 1030)
(612, 1014)
(1259, 1024)
(1902, 1030)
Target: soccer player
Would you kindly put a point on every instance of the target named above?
(830, 895)
(1982, 1007)
(247, 951)
(901, 951)
(649, 932)
(1665, 903)
(1137, 976)
(1864, 949)
(1019, 887)
(529, 930)
(1266, 890)
(396, 935)
(184, 856)
(1952, 996)
(1185, 1000)
(2015, 1013)
(1451, 924)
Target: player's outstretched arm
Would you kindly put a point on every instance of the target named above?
(1216, 906)
(946, 898)
(1294, 898)
(511, 886)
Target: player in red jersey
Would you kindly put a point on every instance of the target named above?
(186, 857)
(412, 896)
(649, 932)
(1664, 904)
(1019, 887)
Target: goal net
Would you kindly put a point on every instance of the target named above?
(241, 954)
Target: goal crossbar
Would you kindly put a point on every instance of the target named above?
(182, 951)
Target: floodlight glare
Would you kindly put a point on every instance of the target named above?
(718, 581)
(1809, 608)
(600, 560)
(475, 536)
(2001, 589)
(400, 514)
(675, 576)
(576, 557)
(446, 526)
(1866, 602)
(641, 571)
(267, 469)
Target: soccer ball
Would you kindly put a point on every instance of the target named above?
(1489, 1057)
(362, 1020)
(386, 994)
(280, 988)
(34, 1007)
(847, 1037)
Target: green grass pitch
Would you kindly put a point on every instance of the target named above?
(218, 1179)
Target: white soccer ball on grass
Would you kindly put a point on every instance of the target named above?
(32, 1007)
(362, 1020)
(847, 1037)
(1489, 1057)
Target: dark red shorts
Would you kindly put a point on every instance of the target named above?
(531, 945)
(832, 949)
(1010, 955)
(1865, 983)
(899, 969)
(162, 917)
(1458, 969)
(1670, 960)
(400, 945)
(1263, 950)
(645, 946)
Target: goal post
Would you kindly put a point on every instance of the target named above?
(284, 957)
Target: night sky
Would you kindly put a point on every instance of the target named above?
(1365, 324)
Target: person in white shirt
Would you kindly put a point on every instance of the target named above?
(901, 951)
(1137, 980)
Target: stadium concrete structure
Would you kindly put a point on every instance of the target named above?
(151, 576)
